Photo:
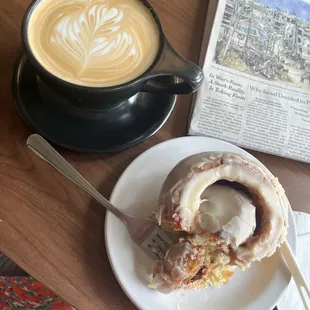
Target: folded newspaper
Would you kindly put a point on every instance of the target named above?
(256, 92)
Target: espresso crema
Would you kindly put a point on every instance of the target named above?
(97, 43)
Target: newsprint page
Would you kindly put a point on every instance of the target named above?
(256, 92)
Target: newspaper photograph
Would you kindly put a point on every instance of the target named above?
(256, 92)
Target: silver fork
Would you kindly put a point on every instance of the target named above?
(143, 231)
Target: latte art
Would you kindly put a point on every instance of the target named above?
(94, 42)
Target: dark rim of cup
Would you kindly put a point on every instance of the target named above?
(41, 69)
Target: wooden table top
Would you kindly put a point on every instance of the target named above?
(51, 228)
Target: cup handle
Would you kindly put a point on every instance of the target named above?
(171, 63)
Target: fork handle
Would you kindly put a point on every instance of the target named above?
(301, 283)
(46, 152)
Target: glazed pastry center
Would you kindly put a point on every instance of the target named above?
(228, 211)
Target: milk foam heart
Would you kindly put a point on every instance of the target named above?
(94, 43)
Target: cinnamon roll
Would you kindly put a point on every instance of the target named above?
(230, 212)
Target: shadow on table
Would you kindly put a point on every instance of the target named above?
(97, 266)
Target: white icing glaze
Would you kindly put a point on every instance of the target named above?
(223, 209)
(176, 267)
(196, 173)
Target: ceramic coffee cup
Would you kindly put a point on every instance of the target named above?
(166, 62)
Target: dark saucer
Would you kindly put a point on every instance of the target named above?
(109, 130)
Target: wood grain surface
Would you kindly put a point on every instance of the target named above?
(48, 226)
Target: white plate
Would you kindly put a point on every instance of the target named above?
(136, 193)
